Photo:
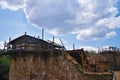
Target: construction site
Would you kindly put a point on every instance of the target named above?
(36, 59)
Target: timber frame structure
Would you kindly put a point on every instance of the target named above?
(30, 58)
(36, 59)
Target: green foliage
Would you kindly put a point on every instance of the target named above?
(4, 66)
(90, 52)
(1, 53)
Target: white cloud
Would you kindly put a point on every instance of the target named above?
(111, 23)
(12, 4)
(89, 48)
(111, 34)
(88, 19)
(103, 47)
(54, 31)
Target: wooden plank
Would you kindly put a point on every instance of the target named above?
(117, 75)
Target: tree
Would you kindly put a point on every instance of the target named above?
(90, 52)
(4, 66)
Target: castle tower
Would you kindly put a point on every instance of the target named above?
(35, 59)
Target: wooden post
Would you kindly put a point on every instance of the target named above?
(25, 33)
(42, 33)
(9, 39)
(38, 37)
(63, 45)
(73, 46)
(9, 43)
(53, 39)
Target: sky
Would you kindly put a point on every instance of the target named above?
(88, 24)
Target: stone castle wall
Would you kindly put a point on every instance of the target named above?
(35, 67)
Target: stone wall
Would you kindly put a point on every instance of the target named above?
(36, 67)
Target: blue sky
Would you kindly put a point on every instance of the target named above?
(88, 24)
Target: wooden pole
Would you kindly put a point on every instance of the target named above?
(42, 33)
(25, 33)
(53, 39)
(73, 46)
(9, 43)
(38, 37)
(9, 39)
(63, 45)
